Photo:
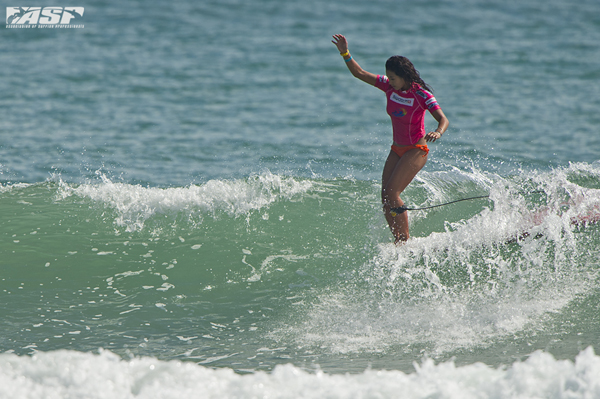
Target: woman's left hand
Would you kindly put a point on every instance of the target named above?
(432, 136)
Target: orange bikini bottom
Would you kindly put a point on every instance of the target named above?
(402, 150)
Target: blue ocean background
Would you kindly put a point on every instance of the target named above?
(189, 203)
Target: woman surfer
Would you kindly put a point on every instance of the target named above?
(408, 97)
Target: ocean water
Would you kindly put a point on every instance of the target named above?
(189, 203)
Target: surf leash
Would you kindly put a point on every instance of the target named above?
(396, 211)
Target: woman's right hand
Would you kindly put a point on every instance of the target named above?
(341, 43)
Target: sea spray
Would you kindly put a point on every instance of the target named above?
(468, 286)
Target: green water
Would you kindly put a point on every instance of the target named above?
(274, 270)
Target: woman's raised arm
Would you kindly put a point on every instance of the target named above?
(342, 45)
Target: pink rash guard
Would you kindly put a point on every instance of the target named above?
(407, 110)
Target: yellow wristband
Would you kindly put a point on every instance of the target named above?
(345, 54)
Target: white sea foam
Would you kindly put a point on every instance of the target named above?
(8, 187)
(134, 204)
(69, 374)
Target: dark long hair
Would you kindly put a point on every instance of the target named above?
(405, 69)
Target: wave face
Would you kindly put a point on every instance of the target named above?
(270, 270)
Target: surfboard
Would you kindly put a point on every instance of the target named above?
(583, 219)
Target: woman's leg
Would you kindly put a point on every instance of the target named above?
(397, 174)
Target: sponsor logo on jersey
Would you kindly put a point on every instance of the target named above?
(422, 94)
(432, 102)
(399, 113)
(401, 100)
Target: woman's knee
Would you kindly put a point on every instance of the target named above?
(384, 196)
(390, 196)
